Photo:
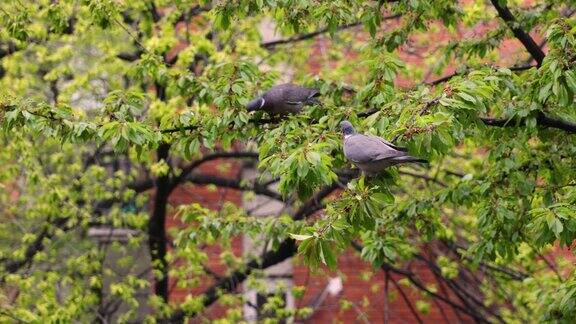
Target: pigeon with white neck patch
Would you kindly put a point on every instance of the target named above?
(284, 99)
(373, 154)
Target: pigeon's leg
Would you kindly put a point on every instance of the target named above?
(370, 178)
(273, 119)
(365, 177)
(369, 175)
(380, 179)
(379, 182)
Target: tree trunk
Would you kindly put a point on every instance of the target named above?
(156, 229)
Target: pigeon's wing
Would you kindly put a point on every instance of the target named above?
(363, 149)
(396, 147)
(297, 95)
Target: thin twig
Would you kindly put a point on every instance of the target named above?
(408, 302)
(541, 119)
(423, 176)
(457, 73)
(302, 37)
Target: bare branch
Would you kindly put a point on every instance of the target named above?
(211, 272)
(407, 301)
(550, 264)
(450, 76)
(412, 278)
(541, 120)
(210, 157)
(202, 179)
(468, 298)
(302, 37)
(423, 176)
(386, 296)
(509, 272)
(519, 33)
(314, 203)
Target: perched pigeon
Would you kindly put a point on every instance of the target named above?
(372, 154)
(284, 99)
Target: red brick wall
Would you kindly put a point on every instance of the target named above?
(210, 197)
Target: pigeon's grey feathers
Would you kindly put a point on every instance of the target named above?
(360, 148)
(396, 147)
(284, 99)
(373, 154)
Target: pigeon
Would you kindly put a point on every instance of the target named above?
(373, 154)
(284, 99)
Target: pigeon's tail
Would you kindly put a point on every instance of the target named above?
(409, 159)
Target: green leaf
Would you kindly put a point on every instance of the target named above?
(314, 158)
(300, 237)
(383, 197)
(326, 255)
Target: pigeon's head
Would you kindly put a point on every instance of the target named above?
(347, 128)
(255, 104)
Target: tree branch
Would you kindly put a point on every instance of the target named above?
(445, 292)
(302, 37)
(511, 273)
(142, 185)
(424, 177)
(179, 129)
(230, 283)
(194, 11)
(157, 238)
(541, 120)
(314, 204)
(467, 297)
(407, 301)
(11, 266)
(519, 33)
(386, 296)
(450, 76)
(210, 157)
(411, 277)
(202, 179)
(130, 57)
(211, 272)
